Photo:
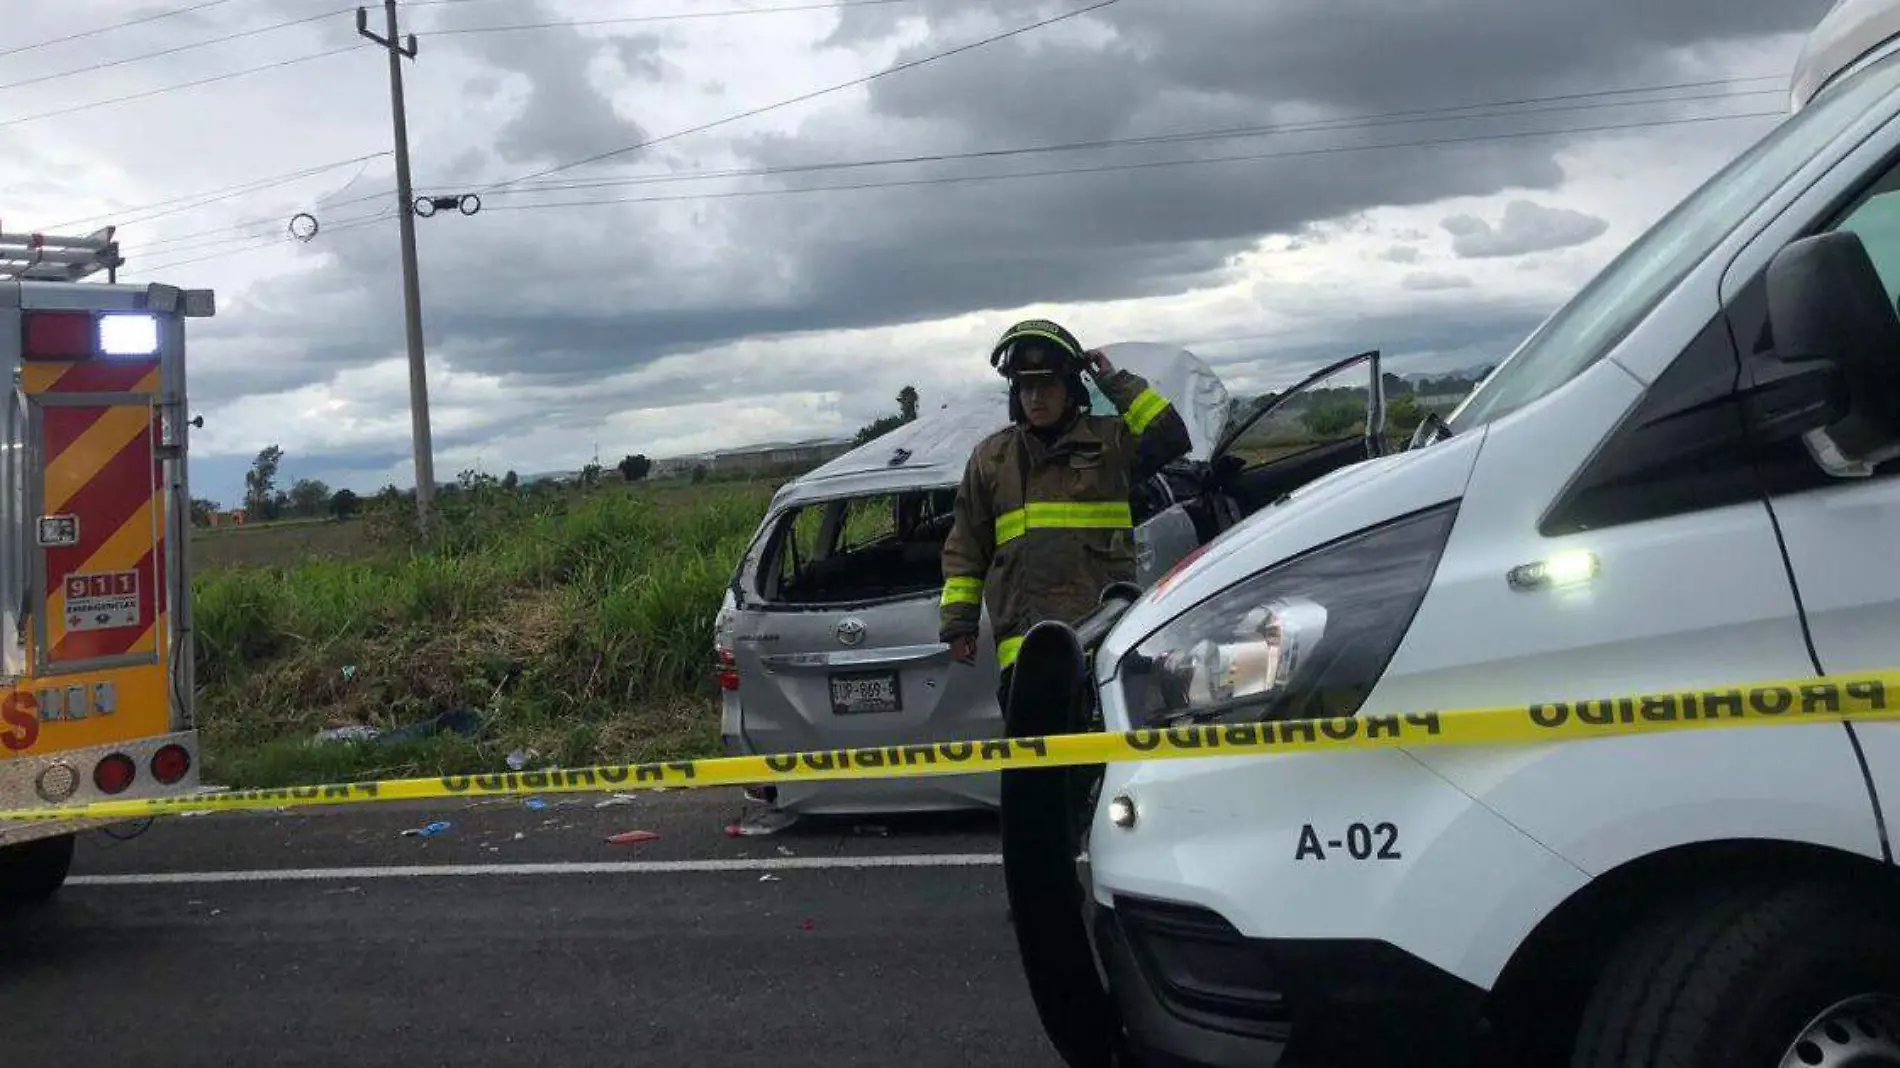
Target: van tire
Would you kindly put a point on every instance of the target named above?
(34, 871)
(1735, 975)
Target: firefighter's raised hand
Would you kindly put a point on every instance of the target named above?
(963, 648)
(1098, 364)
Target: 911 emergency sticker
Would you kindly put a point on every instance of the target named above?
(1379, 841)
(102, 601)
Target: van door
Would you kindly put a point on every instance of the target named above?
(1841, 534)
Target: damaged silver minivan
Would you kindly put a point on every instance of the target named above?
(828, 634)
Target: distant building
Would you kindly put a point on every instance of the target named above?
(754, 459)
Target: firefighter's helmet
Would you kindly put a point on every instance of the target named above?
(1037, 347)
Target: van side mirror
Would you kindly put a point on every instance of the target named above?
(1838, 337)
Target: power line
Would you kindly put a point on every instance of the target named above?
(1340, 123)
(108, 64)
(1069, 171)
(208, 197)
(838, 5)
(1344, 123)
(336, 228)
(174, 88)
(840, 87)
(287, 24)
(141, 20)
(1143, 165)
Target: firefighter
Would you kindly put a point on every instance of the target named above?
(1042, 520)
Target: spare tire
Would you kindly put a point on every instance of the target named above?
(1044, 821)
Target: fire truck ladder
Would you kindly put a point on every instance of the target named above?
(52, 258)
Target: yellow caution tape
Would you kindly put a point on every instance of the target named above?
(1832, 699)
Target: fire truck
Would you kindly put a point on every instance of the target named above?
(96, 694)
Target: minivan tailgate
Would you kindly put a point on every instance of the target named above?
(870, 675)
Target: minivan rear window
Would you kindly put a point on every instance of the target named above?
(850, 550)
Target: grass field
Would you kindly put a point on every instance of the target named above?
(575, 625)
(279, 544)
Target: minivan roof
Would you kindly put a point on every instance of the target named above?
(937, 444)
(1846, 34)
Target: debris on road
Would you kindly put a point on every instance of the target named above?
(536, 803)
(786, 851)
(355, 732)
(430, 831)
(876, 829)
(768, 877)
(760, 823)
(460, 722)
(631, 837)
(617, 799)
(807, 925)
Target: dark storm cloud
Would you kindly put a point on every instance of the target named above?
(1363, 54)
(866, 258)
(788, 263)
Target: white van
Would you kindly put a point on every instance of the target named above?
(828, 634)
(1705, 443)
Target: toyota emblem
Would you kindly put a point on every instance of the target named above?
(851, 631)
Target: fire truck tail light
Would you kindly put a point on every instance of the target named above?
(114, 774)
(170, 764)
(128, 335)
(57, 335)
(57, 783)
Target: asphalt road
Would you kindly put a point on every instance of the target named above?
(330, 937)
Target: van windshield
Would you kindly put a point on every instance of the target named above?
(1598, 317)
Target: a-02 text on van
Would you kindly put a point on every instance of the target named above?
(828, 634)
(1698, 458)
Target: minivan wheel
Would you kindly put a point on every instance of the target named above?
(34, 871)
(1776, 974)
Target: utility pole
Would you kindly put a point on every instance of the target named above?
(411, 286)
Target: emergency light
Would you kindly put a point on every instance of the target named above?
(128, 335)
(82, 335)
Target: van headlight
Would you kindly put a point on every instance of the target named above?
(1304, 639)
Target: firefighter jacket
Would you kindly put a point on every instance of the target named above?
(1039, 531)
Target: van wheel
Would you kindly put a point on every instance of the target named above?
(1041, 825)
(1770, 974)
(34, 871)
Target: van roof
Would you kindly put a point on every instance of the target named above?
(1848, 33)
(936, 446)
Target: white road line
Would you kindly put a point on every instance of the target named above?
(622, 867)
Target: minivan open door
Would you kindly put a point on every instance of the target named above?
(1331, 419)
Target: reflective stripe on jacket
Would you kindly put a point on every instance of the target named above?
(1039, 530)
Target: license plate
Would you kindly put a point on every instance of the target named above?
(857, 694)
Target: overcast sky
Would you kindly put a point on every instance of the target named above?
(652, 301)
